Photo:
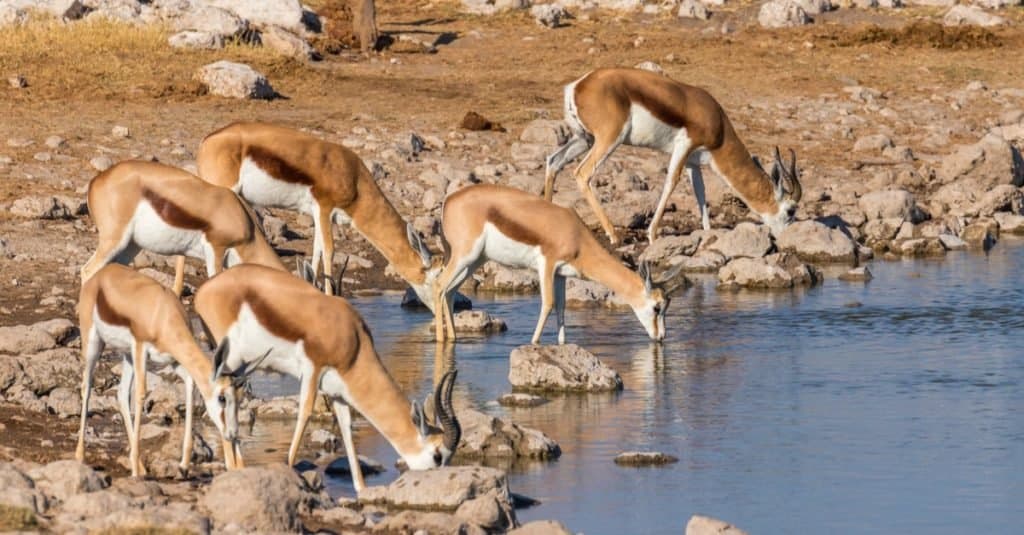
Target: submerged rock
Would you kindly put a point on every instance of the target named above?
(857, 274)
(478, 321)
(705, 525)
(644, 458)
(560, 368)
(488, 437)
(518, 399)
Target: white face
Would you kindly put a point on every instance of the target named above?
(652, 315)
(222, 407)
(778, 222)
(425, 291)
(430, 456)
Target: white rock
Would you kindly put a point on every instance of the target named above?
(650, 66)
(872, 143)
(287, 14)
(196, 40)
(101, 163)
(120, 131)
(815, 242)
(692, 9)
(747, 239)
(235, 80)
(211, 20)
(265, 499)
(490, 7)
(547, 132)
(969, 15)
(815, 7)
(285, 42)
(705, 525)
(890, 204)
(563, 367)
(549, 15)
(782, 14)
(11, 15)
(478, 321)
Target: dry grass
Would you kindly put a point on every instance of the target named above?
(101, 58)
(16, 518)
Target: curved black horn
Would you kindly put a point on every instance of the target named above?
(798, 189)
(443, 407)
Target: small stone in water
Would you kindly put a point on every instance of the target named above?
(857, 274)
(644, 458)
(521, 400)
(340, 466)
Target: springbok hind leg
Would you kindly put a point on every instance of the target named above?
(559, 159)
(547, 284)
(92, 347)
(679, 152)
(585, 173)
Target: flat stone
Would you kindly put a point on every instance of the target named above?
(518, 399)
(644, 458)
(560, 368)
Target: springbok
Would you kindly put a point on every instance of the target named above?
(325, 343)
(124, 310)
(144, 205)
(488, 222)
(274, 166)
(610, 107)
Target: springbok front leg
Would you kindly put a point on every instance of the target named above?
(307, 397)
(179, 275)
(559, 291)
(324, 230)
(547, 295)
(679, 153)
(697, 181)
(139, 399)
(92, 347)
(344, 414)
(188, 441)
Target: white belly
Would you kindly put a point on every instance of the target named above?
(259, 188)
(506, 251)
(646, 130)
(114, 336)
(250, 340)
(152, 233)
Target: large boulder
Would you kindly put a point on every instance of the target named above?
(746, 240)
(235, 80)
(890, 204)
(782, 14)
(662, 251)
(780, 270)
(970, 15)
(287, 14)
(63, 479)
(487, 437)
(566, 367)
(815, 242)
(1001, 198)
(265, 499)
(991, 161)
(17, 490)
(21, 339)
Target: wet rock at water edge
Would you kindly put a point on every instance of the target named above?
(519, 399)
(644, 458)
(341, 467)
(478, 322)
(488, 437)
(858, 274)
(560, 368)
(814, 242)
(705, 525)
(980, 235)
(541, 527)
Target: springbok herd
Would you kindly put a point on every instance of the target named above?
(265, 317)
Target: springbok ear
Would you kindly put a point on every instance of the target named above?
(220, 357)
(306, 271)
(776, 177)
(668, 279)
(418, 418)
(796, 189)
(242, 374)
(418, 245)
(757, 162)
(644, 270)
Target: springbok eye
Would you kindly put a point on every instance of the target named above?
(222, 400)
(438, 458)
(791, 211)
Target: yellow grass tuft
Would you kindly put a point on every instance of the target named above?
(16, 518)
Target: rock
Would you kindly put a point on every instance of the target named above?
(12, 16)
(951, 242)
(525, 153)
(490, 7)
(196, 40)
(1009, 223)
(517, 399)
(650, 66)
(287, 14)
(549, 15)
(478, 321)
(42, 156)
(862, 274)
(644, 458)
(411, 300)
(64, 402)
(475, 122)
(340, 467)
(120, 132)
(286, 43)
(487, 437)
(56, 142)
(560, 368)
(705, 525)
(487, 510)
(17, 490)
(442, 489)
(580, 293)
(327, 440)
(257, 499)
(753, 273)
(702, 262)
(541, 527)
(212, 21)
(163, 461)
(815, 7)
(172, 518)
(969, 15)
(890, 204)
(692, 9)
(746, 240)
(921, 247)
(547, 132)
(782, 14)
(22, 339)
(418, 522)
(978, 235)
(42, 207)
(17, 81)
(815, 242)
(991, 161)
(101, 163)
(64, 479)
(341, 516)
(235, 80)
(82, 506)
(498, 278)
(1001, 198)
(662, 251)
(872, 143)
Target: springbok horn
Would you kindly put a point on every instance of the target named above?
(245, 370)
(443, 406)
(798, 189)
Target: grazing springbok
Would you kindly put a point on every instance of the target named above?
(488, 222)
(271, 165)
(144, 205)
(610, 107)
(121, 309)
(327, 345)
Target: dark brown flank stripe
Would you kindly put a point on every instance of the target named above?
(274, 166)
(511, 228)
(107, 313)
(173, 214)
(657, 107)
(274, 322)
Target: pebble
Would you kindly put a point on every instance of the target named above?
(42, 156)
(101, 163)
(17, 81)
(19, 142)
(521, 400)
(120, 131)
(644, 458)
(56, 142)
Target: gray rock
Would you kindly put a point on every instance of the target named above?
(1001, 198)
(120, 132)
(287, 14)
(692, 9)
(235, 80)
(992, 160)
(18, 490)
(196, 40)
(549, 15)
(815, 242)
(498, 278)
(478, 321)
(257, 499)
(42, 207)
(861, 274)
(872, 143)
(969, 15)
(21, 339)
(12, 16)
(518, 399)
(979, 235)
(487, 437)
(490, 7)
(64, 479)
(560, 368)
(782, 14)
(816, 7)
(285, 43)
(490, 510)
(1009, 223)
(644, 458)
(327, 440)
(890, 204)
(951, 242)
(441, 489)
(702, 262)
(916, 247)
(541, 527)
(56, 143)
(746, 240)
(662, 252)
(101, 163)
(753, 273)
(421, 522)
(584, 293)
(171, 518)
(705, 525)
(211, 20)
(649, 66)
(547, 132)
(64, 402)
(341, 516)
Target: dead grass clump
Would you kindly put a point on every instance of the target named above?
(16, 518)
(337, 34)
(925, 34)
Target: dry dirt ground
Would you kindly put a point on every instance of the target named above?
(83, 79)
